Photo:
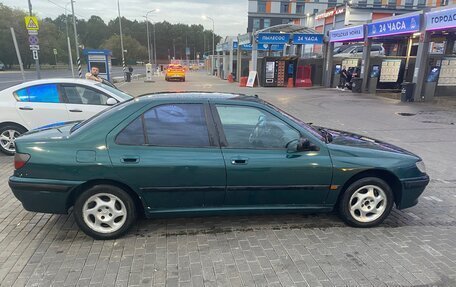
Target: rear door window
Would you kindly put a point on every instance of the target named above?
(47, 93)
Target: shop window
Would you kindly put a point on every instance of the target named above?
(266, 23)
(421, 3)
(362, 3)
(261, 7)
(378, 3)
(284, 7)
(256, 24)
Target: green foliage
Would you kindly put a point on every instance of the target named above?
(94, 33)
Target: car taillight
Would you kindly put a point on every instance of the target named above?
(20, 159)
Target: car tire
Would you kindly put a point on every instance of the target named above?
(8, 130)
(366, 202)
(104, 212)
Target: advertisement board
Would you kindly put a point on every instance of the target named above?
(409, 24)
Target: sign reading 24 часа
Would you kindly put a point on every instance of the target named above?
(307, 39)
(273, 38)
(441, 19)
(408, 24)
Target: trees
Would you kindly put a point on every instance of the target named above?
(94, 33)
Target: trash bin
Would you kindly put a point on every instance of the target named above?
(357, 84)
(407, 92)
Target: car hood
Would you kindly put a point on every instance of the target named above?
(344, 138)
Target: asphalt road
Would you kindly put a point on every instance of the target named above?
(11, 78)
(413, 247)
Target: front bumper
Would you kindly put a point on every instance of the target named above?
(412, 188)
(42, 195)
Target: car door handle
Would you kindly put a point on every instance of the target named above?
(130, 159)
(239, 160)
(76, 111)
(26, 108)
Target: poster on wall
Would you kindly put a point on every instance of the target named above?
(390, 71)
(447, 75)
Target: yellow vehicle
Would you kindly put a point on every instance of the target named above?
(175, 72)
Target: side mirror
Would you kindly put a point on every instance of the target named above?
(301, 144)
(111, 102)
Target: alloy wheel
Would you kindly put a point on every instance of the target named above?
(368, 203)
(104, 213)
(7, 139)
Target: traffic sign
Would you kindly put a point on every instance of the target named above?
(34, 47)
(35, 54)
(55, 51)
(31, 23)
(33, 40)
(32, 32)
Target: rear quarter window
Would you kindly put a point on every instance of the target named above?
(47, 93)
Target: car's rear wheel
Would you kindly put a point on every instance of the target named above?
(8, 135)
(104, 212)
(366, 202)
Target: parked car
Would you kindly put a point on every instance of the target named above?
(357, 51)
(38, 103)
(199, 153)
(175, 72)
(2, 66)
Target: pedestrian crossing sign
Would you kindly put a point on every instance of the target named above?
(31, 23)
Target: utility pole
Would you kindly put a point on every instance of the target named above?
(213, 41)
(121, 38)
(78, 59)
(37, 61)
(155, 49)
(70, 57)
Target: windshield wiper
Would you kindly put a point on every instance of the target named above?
(328, 136)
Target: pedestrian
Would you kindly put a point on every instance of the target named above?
(343, 78)
(93, 75)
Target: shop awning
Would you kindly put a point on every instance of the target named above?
(289, 29)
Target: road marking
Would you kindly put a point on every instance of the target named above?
(436, 198)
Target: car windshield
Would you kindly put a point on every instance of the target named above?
(104, 113)
(115, 91)
(314, 131)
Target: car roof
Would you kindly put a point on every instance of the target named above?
(192, 95)
(52, 81)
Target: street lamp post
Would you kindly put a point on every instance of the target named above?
(76, 42)
(213, 41)
(70, 57)
(121, 38)
(147, 30)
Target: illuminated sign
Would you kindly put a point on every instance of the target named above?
(396, 26)
(273, 38)
(330, 13)
(441, 19)
(307, 39)
(347, 34)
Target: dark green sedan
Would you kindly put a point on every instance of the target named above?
(207, 153)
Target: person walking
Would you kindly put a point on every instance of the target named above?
(343, 78)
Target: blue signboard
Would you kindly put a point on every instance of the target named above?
(273, 38)
(274, 47)
(396, 26)
(246, 47)
(347, 34)
(235, 45)
(441, 19)
(307, 39)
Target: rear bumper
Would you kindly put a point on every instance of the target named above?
(41, 195)
(412, 188)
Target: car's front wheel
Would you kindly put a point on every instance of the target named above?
(8, 135)
(366, 202)
(104, 212)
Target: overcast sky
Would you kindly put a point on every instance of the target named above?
(230, 15)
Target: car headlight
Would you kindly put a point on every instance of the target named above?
(421, 167)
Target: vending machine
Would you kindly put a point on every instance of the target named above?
(275, 72)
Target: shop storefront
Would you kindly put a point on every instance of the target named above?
(437, 56)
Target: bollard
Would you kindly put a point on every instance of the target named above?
(243, 81)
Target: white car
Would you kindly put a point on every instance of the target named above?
(357, 51)
(42, 102)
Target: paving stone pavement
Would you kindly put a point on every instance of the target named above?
(414, 247)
